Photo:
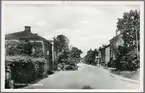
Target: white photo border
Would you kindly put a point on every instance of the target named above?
(141, 3)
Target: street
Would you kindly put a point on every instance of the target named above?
(95, 77)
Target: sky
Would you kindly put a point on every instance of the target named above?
(86, 26)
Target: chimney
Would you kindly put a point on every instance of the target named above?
(28, 28)
(116, 32)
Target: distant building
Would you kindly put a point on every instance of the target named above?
(31, 37)
(98, 58)
(104, 54)
(114, 43)
(107, 54)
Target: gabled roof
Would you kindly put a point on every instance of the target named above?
(116, 37)
(25, 35)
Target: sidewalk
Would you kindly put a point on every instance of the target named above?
(121, 77)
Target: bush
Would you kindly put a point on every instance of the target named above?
(128, 61)
(112, 63)
(69, 67)
(25, 69)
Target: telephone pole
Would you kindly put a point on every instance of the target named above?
(137, 43)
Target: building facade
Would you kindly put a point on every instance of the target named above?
(114, 43)
(27, 35)
(107, 54)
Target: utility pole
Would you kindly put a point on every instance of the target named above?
(137, 43)
(53, 54)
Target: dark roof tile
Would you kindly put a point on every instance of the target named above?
(24, 35)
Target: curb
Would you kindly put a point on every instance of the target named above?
(121, 77)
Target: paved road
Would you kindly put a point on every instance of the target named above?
(86, 75)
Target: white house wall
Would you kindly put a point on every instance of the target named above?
(107, 55)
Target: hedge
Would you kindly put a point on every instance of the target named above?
(25, 69)
(128, 61)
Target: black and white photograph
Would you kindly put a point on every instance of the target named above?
(73, 46)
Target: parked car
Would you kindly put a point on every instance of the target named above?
(70, 67)
(50, 72)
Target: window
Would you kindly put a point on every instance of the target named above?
(47, 52)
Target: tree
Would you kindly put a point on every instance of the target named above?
(61, 49)
(61, 43)
(96, 52)
(90, 57)
(126, 61)
(127, 55)
(63, 58)
(129, 26)
(75, 55)
(121, 51)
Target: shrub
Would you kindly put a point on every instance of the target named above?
(25, 69)
(129, 61)
(112, 63)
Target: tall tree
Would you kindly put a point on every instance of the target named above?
(90, 57)
(128, 55)
(61, 49)
(61, 43)
(96, 52)
(75, 52)
(75, 55)
(129, 26)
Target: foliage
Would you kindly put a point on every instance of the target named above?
(129, 26)
(96, 52)
(61, 49)
(25, 69)
(127, 54)
(37, 49)
(128, 74)
(74, 55)
(126, 61)
(11, 48)
(63, 54)
(121, 51)
(130, 61)
(112, 63)
(18, 48)
(69, 57)
(90, 57)
(63, 58)
(61, 43)
(25, 60)
(24, 48)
